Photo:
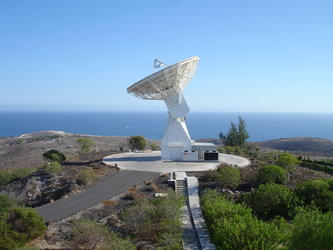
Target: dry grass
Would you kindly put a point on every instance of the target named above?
(134, 195)
(153, 187)
(109, 203)
(133, 189)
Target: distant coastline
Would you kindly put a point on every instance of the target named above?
(262, 126)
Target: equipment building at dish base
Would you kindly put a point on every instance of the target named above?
(167, 85)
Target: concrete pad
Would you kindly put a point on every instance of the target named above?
(151, 162)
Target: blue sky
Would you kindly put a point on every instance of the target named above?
(256, 56)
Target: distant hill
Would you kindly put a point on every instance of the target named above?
(27, 150)
(305, 144)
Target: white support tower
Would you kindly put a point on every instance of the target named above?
(168, 84)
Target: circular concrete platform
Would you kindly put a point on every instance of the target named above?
(151, 162)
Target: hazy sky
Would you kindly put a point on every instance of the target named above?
(256, 56)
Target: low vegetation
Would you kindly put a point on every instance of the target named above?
(54, 156)
(137, 142)
(156, 220)
(233, 226)
(323, 165)
(85, 144)
(18, 225)
(278, 204)
(271, 200)
(287, 161)
(85, 176)
(89, 234)
(272, 174)
(227, 176)
(53, 167)
(257, 220)
(7, 176)
(317, 192)
(311, 229)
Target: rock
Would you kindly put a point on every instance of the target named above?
(113, 220)
(38, 188)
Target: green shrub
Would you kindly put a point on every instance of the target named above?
(19, 226)
(53, 167)
(54, 155)
(5, 177)
(325, 166)
(272, 174)
(287, 161)
(156, 219)
(272, 200)
(317, 192)
(232, 226)
(6, 203)
(227, 175)
(154, 146)
(137, 142)
(85, 144)
(312, 230)
(26, 221)
(330, 183)
(19, 173)
(85, 176)
(91, 235)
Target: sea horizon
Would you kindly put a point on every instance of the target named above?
(262, 126)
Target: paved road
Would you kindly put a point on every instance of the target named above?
(110, 186)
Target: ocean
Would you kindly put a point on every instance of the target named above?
(261, 126)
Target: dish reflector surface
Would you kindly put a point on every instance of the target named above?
(166, 82)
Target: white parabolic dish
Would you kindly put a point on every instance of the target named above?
(160, 85)
(168, 84)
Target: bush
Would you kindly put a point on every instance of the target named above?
(19, 173)
(232, 226)
(6, 203)
(85, 176)
(271, 200)
(229, 176)
(317, 192)
(6, 176)
(89, 234)
(85, 144)
(325, 166)
(54, 155)
(19, 226)
(154, 146)
(272, 174)
(287, 161)
(155, 219)
(137, 142)
(26, 221)
(312, 230)
(53, 167)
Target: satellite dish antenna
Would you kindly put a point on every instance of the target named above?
(168, 84)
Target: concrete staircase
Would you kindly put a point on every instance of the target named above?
(190, 239)
(181, 189)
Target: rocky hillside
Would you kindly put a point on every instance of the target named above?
(305, 144)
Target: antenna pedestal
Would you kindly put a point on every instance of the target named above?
(176, 139)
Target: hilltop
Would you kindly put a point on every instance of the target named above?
(303, 144)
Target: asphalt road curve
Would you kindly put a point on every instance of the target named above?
(107, 188)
